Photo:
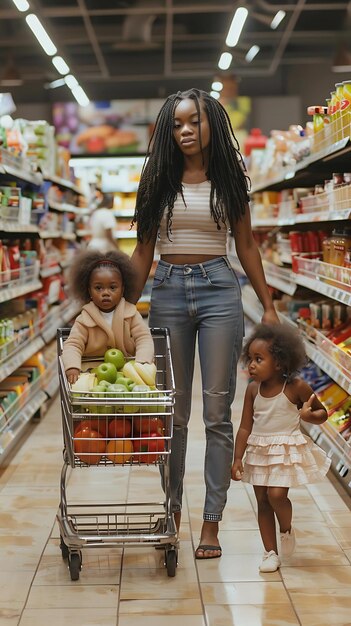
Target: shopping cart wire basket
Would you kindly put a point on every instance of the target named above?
(118, 428)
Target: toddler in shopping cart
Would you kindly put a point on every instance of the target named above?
(102, 282)
(277, 454)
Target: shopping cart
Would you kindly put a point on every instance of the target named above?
(126, 426)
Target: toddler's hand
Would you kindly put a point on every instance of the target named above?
(237, 470)
(72, 375)
(305, 411)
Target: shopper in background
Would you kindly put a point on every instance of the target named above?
(103, 224)
(193, 191)
(278, 455)
(103, 283)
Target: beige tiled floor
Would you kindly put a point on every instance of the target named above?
(128, 587)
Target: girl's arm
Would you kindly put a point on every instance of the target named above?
(242, 435)
(312, 410)
(142, 258)
(250, 259)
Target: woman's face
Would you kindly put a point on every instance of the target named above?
(106, 288)
(188, 127)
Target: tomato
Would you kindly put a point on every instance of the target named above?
(119, 450)
(148, 443)
(119, 427)
(147, 425)
(94, 424)
(89, 451)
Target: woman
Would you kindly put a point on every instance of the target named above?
(102, 225)
(192, 193)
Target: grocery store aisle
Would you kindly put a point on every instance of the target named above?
(131, 587)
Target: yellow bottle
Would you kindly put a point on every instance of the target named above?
(339, 95)
(346, 109)
(332, 117)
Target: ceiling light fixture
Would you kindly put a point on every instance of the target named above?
(80, 96)
(225, 60)
(215, 94)
(21, 5)
(250, 55)
(277, 19)
(217, 85)
(60, 82)
(236, 26)
(40, 33)
(60, 65)
(71, 81)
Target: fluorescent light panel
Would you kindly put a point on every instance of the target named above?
(80, 96)
(40, 33)
(250, 55)
(279, 16)
(60, 65)
(21, 5)
(71, 81)
(236, 26)
(225, 60)
(217, 85)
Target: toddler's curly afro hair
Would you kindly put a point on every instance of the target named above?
(88, 260)
(285, 344)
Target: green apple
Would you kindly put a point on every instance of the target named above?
(115, 356)
(127, 382)
(107, 372)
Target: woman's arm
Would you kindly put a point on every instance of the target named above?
(250, 259)
(142, 258)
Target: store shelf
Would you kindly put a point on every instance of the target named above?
(310, 170)
(9, 226)
(19, 289)
(81, 232)
(62, 182)
(50, 234)
(24, 352)
(127, 213)
(125, 234)
(16, 418)
(45, 272)
(338, 450)
(302, 218)
(64, 207)
(279, 277)
(21, 174)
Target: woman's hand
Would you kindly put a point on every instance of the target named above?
(270, 317)
(237, 470)
(72, 375)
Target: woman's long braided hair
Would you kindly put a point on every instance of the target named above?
(161, 177)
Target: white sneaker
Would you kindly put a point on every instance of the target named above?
(270, 562)
(287, 543)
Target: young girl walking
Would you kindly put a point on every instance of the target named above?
(103, 283)
(278, 454)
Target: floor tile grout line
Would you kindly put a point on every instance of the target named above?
(195, 564)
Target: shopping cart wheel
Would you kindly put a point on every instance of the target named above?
(75, 565)
(64, 549)
(171, 562)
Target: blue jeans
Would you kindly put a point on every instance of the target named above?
(201, 301)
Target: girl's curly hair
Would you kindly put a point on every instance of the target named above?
(285, 344)
(88, 260)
